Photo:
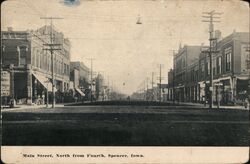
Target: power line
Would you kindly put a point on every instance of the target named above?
(211, 19)
(52, 48)
(91, 78)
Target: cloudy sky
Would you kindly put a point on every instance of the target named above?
(123, 50)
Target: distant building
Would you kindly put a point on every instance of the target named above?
(79, 74)
(102, 91)
(183, 59)
(77, 90)
(25, 56)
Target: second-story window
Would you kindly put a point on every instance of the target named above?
(22, 54)
(202, 70)
(228, 55)
(214, 67)
(207, 68)
(218, 64)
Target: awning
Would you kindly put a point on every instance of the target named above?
(45, 82)
(79, 91)
(242, 77)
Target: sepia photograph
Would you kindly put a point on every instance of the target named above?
(125, 81)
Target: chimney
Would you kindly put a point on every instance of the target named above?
(10, 29)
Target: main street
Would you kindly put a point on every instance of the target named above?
(125, 125)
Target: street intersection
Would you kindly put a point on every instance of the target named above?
(125, 125)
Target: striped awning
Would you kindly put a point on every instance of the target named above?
(79, 91)
(44, 81)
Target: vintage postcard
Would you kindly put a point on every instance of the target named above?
(125, 81)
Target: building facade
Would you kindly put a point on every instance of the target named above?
(190, 79)
(179, 87)
(79, 75)
(25, 55)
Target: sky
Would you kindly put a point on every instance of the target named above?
(123, 51)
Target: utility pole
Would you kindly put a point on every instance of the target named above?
(147, 89)
(52, 48)
(108, 89)
(248, 68)
(91, 78)
(152, 83)
(160, 84)
(210, 18)
(173, 74)
(111, 90)
(1, 67)
(205, 73)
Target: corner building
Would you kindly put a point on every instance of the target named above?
(25, 56)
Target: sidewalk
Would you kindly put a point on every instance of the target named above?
(207, 105)
(24, 106)
(187, 103)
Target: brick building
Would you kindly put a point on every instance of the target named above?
(230, 72)
(24, 55)
(189, 80)
(184, 59)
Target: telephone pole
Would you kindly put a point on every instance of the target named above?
(91, 78)
(147, 89)
(52, 48)
(211, 19)
(173, 76)
(152, 85)
(248, 68)
(160, 84)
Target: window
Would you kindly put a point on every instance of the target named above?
(196, 75)
(65, 72)
(192, 75)
(228, 54)
(202, 70)
(218, 63)
(41, 60)
(22, 54)
(37, 58)
(208, 68)
(214, 67)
